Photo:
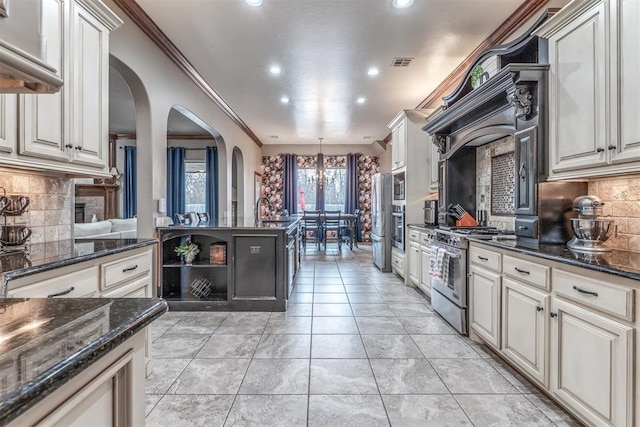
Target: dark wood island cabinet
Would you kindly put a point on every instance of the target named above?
(236, 268)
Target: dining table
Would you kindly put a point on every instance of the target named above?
(349, 224)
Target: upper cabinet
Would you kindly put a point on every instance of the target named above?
(593, 88)
(398, 144)
(68, 131)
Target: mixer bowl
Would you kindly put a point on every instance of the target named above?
(592, 231)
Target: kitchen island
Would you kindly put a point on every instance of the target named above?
(247, 267)
(66, 361)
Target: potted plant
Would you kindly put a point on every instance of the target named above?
(188, 250)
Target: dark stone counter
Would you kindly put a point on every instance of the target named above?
(619, 263)
(42, 257)
(46, 342)
(241, 224)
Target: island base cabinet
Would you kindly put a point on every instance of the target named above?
(110, 392)
(592, 364)
(524, 328)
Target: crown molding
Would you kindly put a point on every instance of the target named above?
(133, 10)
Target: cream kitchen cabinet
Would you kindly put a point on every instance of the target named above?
(425, 262)
(414, 262)
(525, 319)
(8, 123)
(592, 364)
(397, 262)
(593, 88)
(68, 131)
(398, 144)
(419, 255)
(484, 304)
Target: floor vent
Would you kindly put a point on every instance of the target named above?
(401, 61)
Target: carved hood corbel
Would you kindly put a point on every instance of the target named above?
(520, 100)
(440, 141)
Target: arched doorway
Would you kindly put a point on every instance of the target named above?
(237, 185)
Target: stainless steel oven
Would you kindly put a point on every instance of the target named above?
(398, 226)
(398, 186)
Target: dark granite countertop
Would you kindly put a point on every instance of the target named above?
(42, 257)
(46, 342)
(241, 224)
(619, 263)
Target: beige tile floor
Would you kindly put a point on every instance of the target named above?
(355, 348)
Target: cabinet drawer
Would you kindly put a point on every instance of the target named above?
(397, 263)
(526, 271)
(424, 239)
(82, 283)
(487, 259)
(137, 289)
(605, 296)
(414, 235)
(125, 269)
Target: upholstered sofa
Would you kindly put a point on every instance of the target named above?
(109, 229)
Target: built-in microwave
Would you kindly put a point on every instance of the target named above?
(398, 186)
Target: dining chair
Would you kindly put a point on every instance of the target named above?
(311, 228)
(332, 228)
(203, 216)
(350, 227)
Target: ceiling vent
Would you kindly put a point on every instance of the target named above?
(274, 137)
(367, 137)
(401, 61)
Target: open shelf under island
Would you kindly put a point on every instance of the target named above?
(235, 268)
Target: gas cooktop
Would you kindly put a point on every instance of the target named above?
(477, 231)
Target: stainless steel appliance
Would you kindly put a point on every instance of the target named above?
(398, 186)
(449, 289)
(398, 226)
(430, 212)
(591, 230)
(381, 220)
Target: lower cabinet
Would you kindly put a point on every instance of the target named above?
(397, 262)
(414, 262)
(592, 364)
(525, 314)
(484, 304)
(108, 393)
(425, 262)
(571, 330)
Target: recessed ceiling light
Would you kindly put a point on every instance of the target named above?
(400, 4)
(254, 2)
(275, 70)
(373, 71)
(284, 100)
(361, 100)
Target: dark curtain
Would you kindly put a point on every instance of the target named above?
(351, 200)
(176, 194)
(290, 181)
(320, 185)
(211, 199)
(130, 197)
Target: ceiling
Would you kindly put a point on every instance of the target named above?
(324, 48)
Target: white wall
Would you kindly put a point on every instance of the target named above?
(373, 149)
(162, 85)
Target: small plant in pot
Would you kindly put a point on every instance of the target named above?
(187, 250)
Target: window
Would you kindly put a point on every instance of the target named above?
(334, 189)
(195, 187)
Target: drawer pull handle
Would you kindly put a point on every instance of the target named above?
(539, 308)
(553, 314)
(483, 258)
(126, 270)
(59, 294)
(521, 271)
(582, 291)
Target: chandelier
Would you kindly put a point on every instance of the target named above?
(321, 176)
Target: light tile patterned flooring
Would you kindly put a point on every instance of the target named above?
(355, 348)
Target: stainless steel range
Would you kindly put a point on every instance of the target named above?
(448, 270)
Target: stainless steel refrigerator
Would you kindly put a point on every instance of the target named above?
(381, 220)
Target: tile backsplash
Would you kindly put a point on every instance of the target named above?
(49, 214)
(621, 197)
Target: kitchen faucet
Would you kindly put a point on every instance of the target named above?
(257, 215)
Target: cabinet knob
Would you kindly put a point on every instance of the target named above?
(599, 149)
(539, 308)
(522, 227)
(79, 147)
(553, 314)
(69, 145)
(611, 147)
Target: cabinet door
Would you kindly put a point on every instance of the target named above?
(8, 123)
(626, 67)
(425, 279)
(524, 328)
(401, 145)
(525, 154)
(90, 79)
(484, 304)
(578, 105)
(42, 116)
(592, 364)
(414, 262)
